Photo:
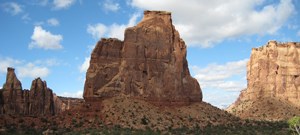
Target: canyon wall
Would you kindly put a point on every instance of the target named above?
(273, 74)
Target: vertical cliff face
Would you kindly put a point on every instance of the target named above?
(12, 94)
(150, 64)
(12, 82)
(273, 73)
(41, 98)
(36, 101)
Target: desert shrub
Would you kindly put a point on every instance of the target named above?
(74, 121)
(145, 120)
(294, 124)
(44, 120)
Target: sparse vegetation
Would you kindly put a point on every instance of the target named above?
(144, 120)
(294, 124)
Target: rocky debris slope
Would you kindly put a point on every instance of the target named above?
(36, 101)
(273, 77)
(149, 64)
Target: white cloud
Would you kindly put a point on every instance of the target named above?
(44, 39)
(12, 8)
(205, 23)
(52, 62)
(32, 71)
(62, 4)
(78, 94)
(53, 22)
(85, 65)
(7, 62)
(292, 26)
(26, 17)
(108, 5)
(38, 68)
(222, 77)
(48, 62)
(115, 30)
(90, 48)
(97, 30)
(219, 99)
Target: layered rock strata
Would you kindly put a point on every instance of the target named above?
(273, 72)
(149, 64)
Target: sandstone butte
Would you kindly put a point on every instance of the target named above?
(39, 100)
(273, 75)
(150, 64)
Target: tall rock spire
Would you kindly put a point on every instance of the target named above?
(15, 100)
(12, 82)
(149, 64)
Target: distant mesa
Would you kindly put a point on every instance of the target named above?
(273, 74)
(150, 64)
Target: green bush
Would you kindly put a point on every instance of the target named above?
(294, 124)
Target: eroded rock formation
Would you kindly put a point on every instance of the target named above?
(36, 101)
(149, 64)
(273, 73)
(41, 98)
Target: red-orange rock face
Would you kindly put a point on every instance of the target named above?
(273, 71)
(36, 101)
(41, 98)
(273, 77)
(149, 64)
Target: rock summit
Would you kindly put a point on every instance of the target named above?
(150, 64)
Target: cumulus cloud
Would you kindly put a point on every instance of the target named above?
(218, 99)
(85, 65)
(45, 39)
(48, 62)
(32, 71)
(62, 4)
(97, 30)
(53, 22)
(109, 5)
(215, 21)
(26, 69)
(230, 76)
(8, 62)
(115, 30)
(78, 94)
(12, 8)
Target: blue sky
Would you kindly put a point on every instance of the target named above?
(53, 39)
